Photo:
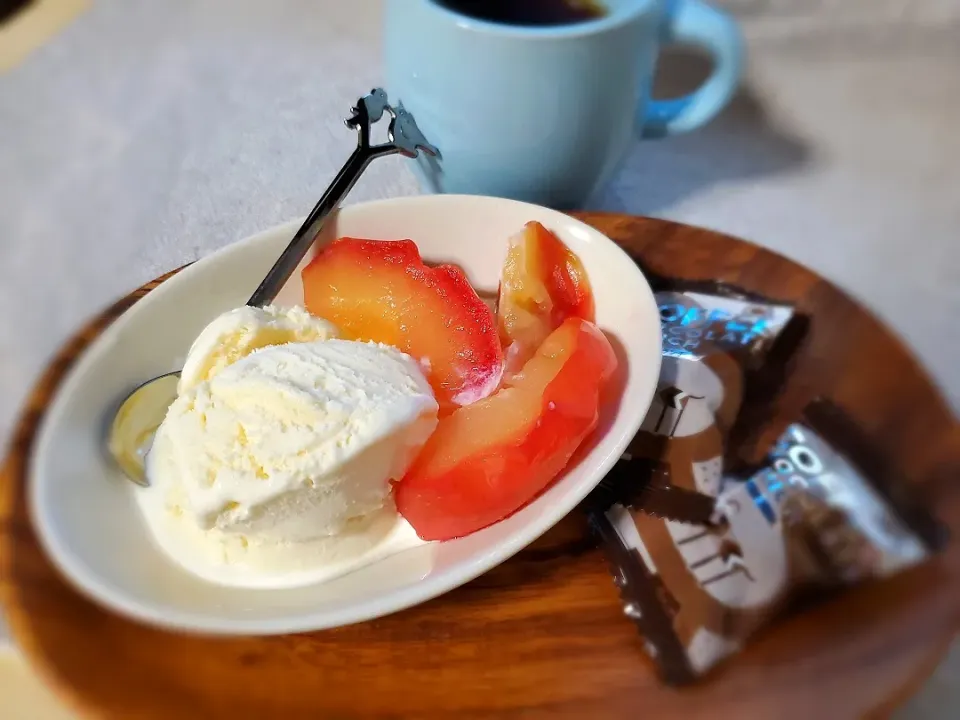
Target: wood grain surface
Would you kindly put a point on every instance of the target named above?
(542, 635)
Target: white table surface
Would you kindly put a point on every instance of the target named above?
(148, 134)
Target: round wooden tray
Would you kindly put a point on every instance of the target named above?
(543, 634)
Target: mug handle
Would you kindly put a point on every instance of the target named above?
(694, 23)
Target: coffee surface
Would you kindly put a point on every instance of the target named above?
(527, 12)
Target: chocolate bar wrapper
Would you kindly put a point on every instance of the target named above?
(710, 340)
(712, 337)
(747, 341)
(728, 347)
(809, 517)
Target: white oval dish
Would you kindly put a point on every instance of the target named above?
(85, 512)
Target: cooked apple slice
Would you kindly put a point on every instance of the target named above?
(542, 284)
(487, 460)
(381, 290)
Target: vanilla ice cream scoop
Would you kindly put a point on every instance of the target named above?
(229, 337)
(238, 332)
(284, 453)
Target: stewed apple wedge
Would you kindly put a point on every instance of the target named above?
(486, 460)
(381, 290)
(542, 283)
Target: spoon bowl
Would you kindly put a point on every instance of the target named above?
(136, 420)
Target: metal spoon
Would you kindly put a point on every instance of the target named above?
(141, 412)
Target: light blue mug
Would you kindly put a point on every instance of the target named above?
(545, 113)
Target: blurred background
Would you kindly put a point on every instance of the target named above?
(137, 135)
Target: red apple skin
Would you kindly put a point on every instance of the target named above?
(486, 461)
(542, 283)
(381, 290)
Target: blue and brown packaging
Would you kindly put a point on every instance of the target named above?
(707, 549)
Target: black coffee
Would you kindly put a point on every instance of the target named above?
(528, 12)
(9, 7)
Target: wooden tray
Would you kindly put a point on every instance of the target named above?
(543, 634)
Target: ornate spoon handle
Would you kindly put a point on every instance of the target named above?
(404, 137)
